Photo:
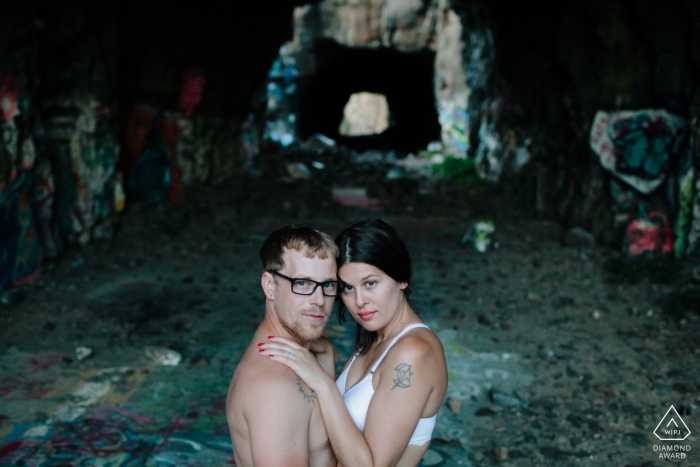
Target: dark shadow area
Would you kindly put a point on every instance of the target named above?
(406, 79)
(129, 52)
(159, 45)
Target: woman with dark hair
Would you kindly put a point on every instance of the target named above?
(381, 410)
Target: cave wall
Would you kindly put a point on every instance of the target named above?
(125, 52)
(92, 91)
(567, 59)
(554, 64)
(515, 86)
(395, 39)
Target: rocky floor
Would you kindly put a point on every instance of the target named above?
(550, 362)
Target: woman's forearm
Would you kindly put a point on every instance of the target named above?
(348, 443)
(324, 352)
(327, 361)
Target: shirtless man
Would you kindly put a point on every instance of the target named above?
(272, 415)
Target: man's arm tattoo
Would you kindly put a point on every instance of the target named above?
(403, 376)
(309, 397)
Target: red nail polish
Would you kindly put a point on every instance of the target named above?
(270, 337)
(261, 350)
(260, 344)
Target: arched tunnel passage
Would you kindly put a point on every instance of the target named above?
(406, 79)
(544, 325)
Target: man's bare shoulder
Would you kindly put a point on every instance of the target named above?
(272, 384)
(270, 412)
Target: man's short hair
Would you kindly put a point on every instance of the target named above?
(302, 238)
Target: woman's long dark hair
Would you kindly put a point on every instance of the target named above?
(376, 243)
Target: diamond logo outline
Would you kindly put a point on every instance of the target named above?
(677, 415)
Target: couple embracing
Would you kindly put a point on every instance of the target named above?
(285, 406)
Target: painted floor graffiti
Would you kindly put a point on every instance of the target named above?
(55, 415)
(149, 415)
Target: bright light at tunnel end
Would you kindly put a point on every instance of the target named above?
(365, 114)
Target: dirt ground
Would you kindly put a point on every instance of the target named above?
(550, 362)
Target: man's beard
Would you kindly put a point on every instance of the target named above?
(311, 331)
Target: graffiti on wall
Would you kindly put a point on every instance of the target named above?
(638, 147)
(453, 118)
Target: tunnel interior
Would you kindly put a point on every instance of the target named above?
(406, 79)
(124, 315)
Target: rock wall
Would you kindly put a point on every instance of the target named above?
(405, 26)
(99, 99)
(516, 87)
(554, 65)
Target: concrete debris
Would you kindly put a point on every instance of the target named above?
(479, 235)
(82, 353)
(394, 173)
(455, 405)
(375, 157)
(298, 171)
(579, 238)
(533, 297)
(163, 356)
(505, 400)
(500, 453)
(319, 141)
(281, 131)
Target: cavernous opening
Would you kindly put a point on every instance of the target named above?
(405, 79)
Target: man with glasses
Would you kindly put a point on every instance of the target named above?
(272, 415)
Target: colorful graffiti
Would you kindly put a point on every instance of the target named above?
(638, 147)
(649, 235)
(455, 127)
(116, 437)
(28, 383)
(20, 248)
(685, 211)
(54, 413)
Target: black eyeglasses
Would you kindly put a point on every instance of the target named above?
(308, 287)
